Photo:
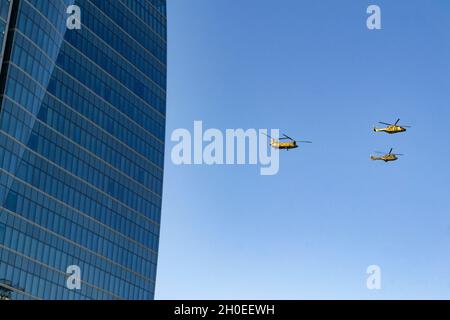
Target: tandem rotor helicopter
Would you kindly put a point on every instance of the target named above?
(391, 128)
(291, 144)
(386, 157)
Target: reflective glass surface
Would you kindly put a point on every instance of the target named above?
(82, 125)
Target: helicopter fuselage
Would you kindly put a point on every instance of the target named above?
(390, 129)
(386, 158)
(283, 145)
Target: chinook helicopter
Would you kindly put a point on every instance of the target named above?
(386, 157)
(391, 128)
(291, 144)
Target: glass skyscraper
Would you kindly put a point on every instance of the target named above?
(82, 127)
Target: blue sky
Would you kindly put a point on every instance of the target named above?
(313, 70)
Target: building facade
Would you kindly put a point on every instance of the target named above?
(82, 127)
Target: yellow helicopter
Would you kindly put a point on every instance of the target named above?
(391, 128)
(386, 157)
(292, 144)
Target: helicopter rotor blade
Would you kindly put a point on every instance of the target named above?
(287, 137)
(387, 124)
(390, 152)
(398, 120)
(266, 135)
(303, 141)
